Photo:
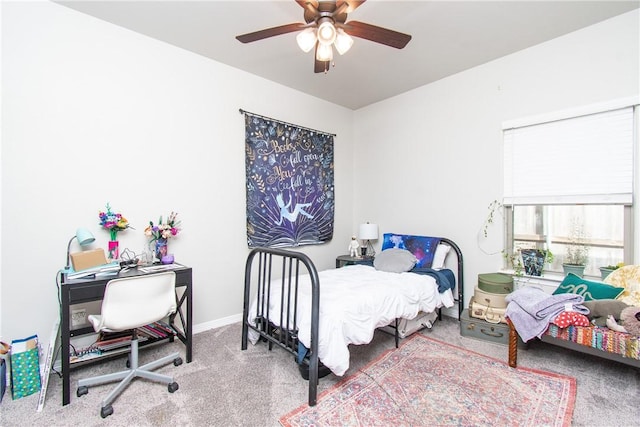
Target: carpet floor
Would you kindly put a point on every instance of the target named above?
(419, 384)
(224, 386)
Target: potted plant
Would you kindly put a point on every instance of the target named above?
(605, 271)
(577, 254)
(514, 260)
(495, 208)
(522, 261)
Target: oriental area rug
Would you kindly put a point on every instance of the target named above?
(431, 383)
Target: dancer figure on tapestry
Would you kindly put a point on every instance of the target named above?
(291, 216)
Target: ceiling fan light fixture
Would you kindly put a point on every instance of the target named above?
(324, 52)
(325, 25)
(306, 39)
(326, 31)
(343, 41)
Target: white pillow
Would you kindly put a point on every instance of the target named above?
(394, 260)
(441, 254)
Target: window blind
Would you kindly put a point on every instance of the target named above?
(584, 159)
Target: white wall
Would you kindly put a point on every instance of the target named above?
(161, 131)
(93, 113)
(430, 161)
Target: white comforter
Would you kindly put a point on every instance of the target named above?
(354, 301)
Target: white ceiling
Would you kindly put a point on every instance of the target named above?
(447, 37)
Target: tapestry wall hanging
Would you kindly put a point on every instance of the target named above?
(290, 194)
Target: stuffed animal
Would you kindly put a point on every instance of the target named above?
(601, 309)
(629, 319)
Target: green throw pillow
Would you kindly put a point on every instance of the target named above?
(573, 284)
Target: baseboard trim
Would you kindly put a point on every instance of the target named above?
(201, 327)
(218, 323)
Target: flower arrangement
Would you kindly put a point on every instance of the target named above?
(163, 230)
(113, 222)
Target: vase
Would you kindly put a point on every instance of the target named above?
(604, 272)
(114, 251)
(161, 248)
(578, 270)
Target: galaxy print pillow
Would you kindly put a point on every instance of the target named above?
(423, 248)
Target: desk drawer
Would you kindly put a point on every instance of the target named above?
(83, 292)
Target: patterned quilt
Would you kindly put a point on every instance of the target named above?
(600, 338)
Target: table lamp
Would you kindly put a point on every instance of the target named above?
(368, 232)
(84, 237)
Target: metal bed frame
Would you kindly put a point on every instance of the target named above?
(282, 268)
(291, 264)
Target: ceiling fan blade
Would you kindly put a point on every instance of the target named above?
(310, 9)
(353, 4)
(340, 13)
(376, 34)
(270, 32)
(306, 3)
(313, 5)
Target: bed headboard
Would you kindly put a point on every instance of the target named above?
(424, 248)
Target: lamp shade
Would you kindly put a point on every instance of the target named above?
(343, 42)
(84, 236)
(368, 231)
(326, 31)
(324, 52)
(306, 39)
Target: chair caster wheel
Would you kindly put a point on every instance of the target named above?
(105, 411)
(173, 387)
(177, 361)
(81, 391)
(128, 364)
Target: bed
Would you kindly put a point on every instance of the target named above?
(316, 315)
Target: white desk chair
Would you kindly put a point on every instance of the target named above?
(130, 303)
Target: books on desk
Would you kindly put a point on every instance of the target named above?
(160, 267)
(112, 267)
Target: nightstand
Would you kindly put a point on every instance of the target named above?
(343, 260)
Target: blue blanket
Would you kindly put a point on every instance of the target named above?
(445, 279)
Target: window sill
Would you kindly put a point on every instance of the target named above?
(548, 282)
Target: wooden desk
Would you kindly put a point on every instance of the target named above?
(92, 289)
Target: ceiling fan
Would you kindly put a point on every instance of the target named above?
(325, 26)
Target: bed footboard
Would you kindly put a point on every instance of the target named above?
(281, 268)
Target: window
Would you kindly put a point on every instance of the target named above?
(569, 176)
(604, 229)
